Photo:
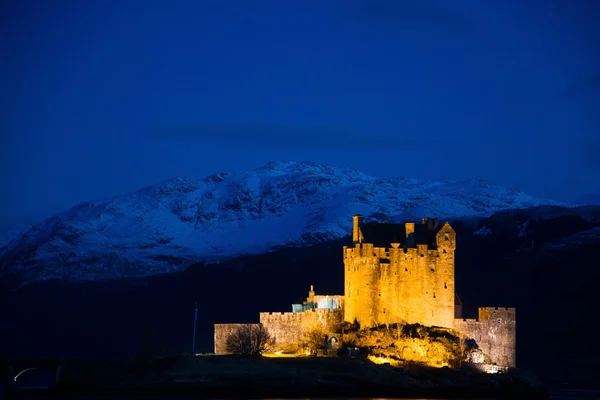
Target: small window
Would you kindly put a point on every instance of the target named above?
(444, 250)
(499, 321)
(445, 287)
(384, 310)
(446, 236)
(434, 295)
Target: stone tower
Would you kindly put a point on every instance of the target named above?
(400, 273)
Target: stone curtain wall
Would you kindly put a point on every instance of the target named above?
(494, 332)
(285, 327)
(222, 332)
(289, 328)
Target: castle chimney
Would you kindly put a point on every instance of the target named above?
(311, 295)
(357, 235)
(425, 221)
(409, 227)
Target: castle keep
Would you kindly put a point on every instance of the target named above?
(394, 273)
(405, 274)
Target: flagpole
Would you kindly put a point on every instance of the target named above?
(194, 337)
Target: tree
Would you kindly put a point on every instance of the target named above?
(315, 339)
(249, 340)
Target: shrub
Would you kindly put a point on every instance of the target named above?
(314, 339)
(249, 340)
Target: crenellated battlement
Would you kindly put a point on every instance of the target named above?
(368, 250)
(277, 316)
(501, 314)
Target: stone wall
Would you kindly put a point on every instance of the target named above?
(494, 332)
(222, 331)
(289, 328)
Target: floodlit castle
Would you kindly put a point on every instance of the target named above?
(394, 273)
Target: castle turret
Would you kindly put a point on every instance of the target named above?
(357, 236)
(311, 295)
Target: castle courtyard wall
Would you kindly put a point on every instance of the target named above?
(289, 328)
(494, 332)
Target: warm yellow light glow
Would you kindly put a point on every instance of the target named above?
(383, 360)
(279, 354)
(396, 363)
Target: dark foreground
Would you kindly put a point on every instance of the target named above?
(224, 376)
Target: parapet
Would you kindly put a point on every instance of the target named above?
(502, 314)
(270, 317)
(408, 234)
(369, 250)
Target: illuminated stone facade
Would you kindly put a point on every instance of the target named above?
(409, 278)
(289, 328)
(396, 273)
(494, 332)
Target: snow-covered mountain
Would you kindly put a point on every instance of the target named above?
(167, 227)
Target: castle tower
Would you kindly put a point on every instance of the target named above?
(400, 273)
(445, 292)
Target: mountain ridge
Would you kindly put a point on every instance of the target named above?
(168, 226)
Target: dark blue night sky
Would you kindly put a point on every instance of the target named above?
(104, 97)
